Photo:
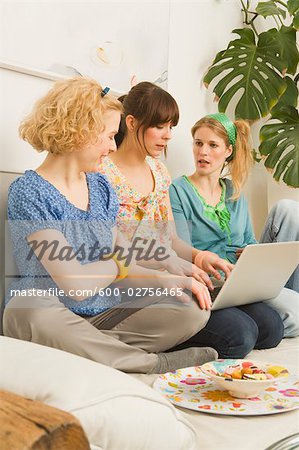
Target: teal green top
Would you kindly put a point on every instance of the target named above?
(219, 213)
(197, 228)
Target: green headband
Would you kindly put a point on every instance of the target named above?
(229, 126)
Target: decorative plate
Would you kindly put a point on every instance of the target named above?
(190, 388)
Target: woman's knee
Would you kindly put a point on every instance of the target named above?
(242, 337)
(286, 304)
(286, 206)
(269, 323)
(273, 333)
(193, 319)
(285, 213)
(184, 321)
(229, 331)
(16, 320)
(25, 317)
(291, 323)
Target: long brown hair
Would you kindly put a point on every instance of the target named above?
(150, 105)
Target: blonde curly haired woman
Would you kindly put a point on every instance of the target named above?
(62, 219)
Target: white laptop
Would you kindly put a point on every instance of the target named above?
(259, 274)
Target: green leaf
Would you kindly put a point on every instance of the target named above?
(288, 98)
(280, 145)
(289, 53)
(269, 8)
(293, 6)
(251, 70)
(256, 156)
(296, 21)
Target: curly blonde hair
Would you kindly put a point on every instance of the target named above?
(68, 117)
(238, 165)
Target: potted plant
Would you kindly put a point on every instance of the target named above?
(260, 70)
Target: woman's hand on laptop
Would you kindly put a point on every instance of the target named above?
(178, 285)
(212, 264)
(179, 266)
(202, 294)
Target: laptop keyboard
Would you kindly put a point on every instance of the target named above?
(215, 292)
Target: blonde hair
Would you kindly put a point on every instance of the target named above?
(68, 117)
(238, 165)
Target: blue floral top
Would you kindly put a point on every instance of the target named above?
(35, 204)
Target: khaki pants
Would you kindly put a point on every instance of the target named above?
(126, 338)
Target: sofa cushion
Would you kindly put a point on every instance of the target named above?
(115, 410)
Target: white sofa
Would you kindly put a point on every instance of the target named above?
(119, 412)
(116, 411)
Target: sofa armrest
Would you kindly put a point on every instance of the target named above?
(38, 426)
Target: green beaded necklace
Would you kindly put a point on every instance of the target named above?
(219, 213)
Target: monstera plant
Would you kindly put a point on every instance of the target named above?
(258, 72)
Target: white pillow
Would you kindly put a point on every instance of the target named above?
(115, 410)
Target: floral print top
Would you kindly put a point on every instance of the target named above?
(141, 215)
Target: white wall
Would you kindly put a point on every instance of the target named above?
(106, 40)
(58, 34)
(198, 30)
(18, 93)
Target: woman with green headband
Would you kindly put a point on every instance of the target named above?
(218, 214)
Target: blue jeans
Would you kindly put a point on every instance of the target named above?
(282, 225)
(234, 332)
